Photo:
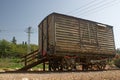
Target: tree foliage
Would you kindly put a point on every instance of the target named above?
(117, 62)
(14, 41)
(11, 49)
(117, 58)
(4, 48)
(118, 51)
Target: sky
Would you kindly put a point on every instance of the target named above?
(17, 15)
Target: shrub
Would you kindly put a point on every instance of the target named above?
(117, 62)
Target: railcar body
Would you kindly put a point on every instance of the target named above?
(62, 35)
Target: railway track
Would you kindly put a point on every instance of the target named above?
(77, 71)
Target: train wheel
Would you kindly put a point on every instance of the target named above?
(85, 67)
(73, 64)
(65, 65)
(99, 66)
(68, 64)
(102, 65)
(55, 65)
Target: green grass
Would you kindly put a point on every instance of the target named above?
(11, 63)
(40, 66)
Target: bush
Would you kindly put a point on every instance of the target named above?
(117, 62)
(9, 49)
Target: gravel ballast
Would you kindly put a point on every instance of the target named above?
(97, 75)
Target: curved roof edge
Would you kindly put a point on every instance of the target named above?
(55, 13)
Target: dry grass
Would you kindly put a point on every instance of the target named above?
(101, 75)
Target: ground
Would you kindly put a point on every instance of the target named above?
(90, 75)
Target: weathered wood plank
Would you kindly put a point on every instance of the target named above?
(73, 34)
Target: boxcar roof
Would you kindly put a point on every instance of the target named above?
(54, 13)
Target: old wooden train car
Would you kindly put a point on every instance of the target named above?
(65, 37)
(66, 42)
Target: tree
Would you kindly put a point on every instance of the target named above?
(117, 62)
(12, 50)
(14, 40)
(4, 48)
(118, 51)
(24, 43)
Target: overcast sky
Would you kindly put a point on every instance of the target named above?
(17, 15)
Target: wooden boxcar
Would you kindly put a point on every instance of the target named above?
(70, 40)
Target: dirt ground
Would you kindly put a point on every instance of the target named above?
(96, 75)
